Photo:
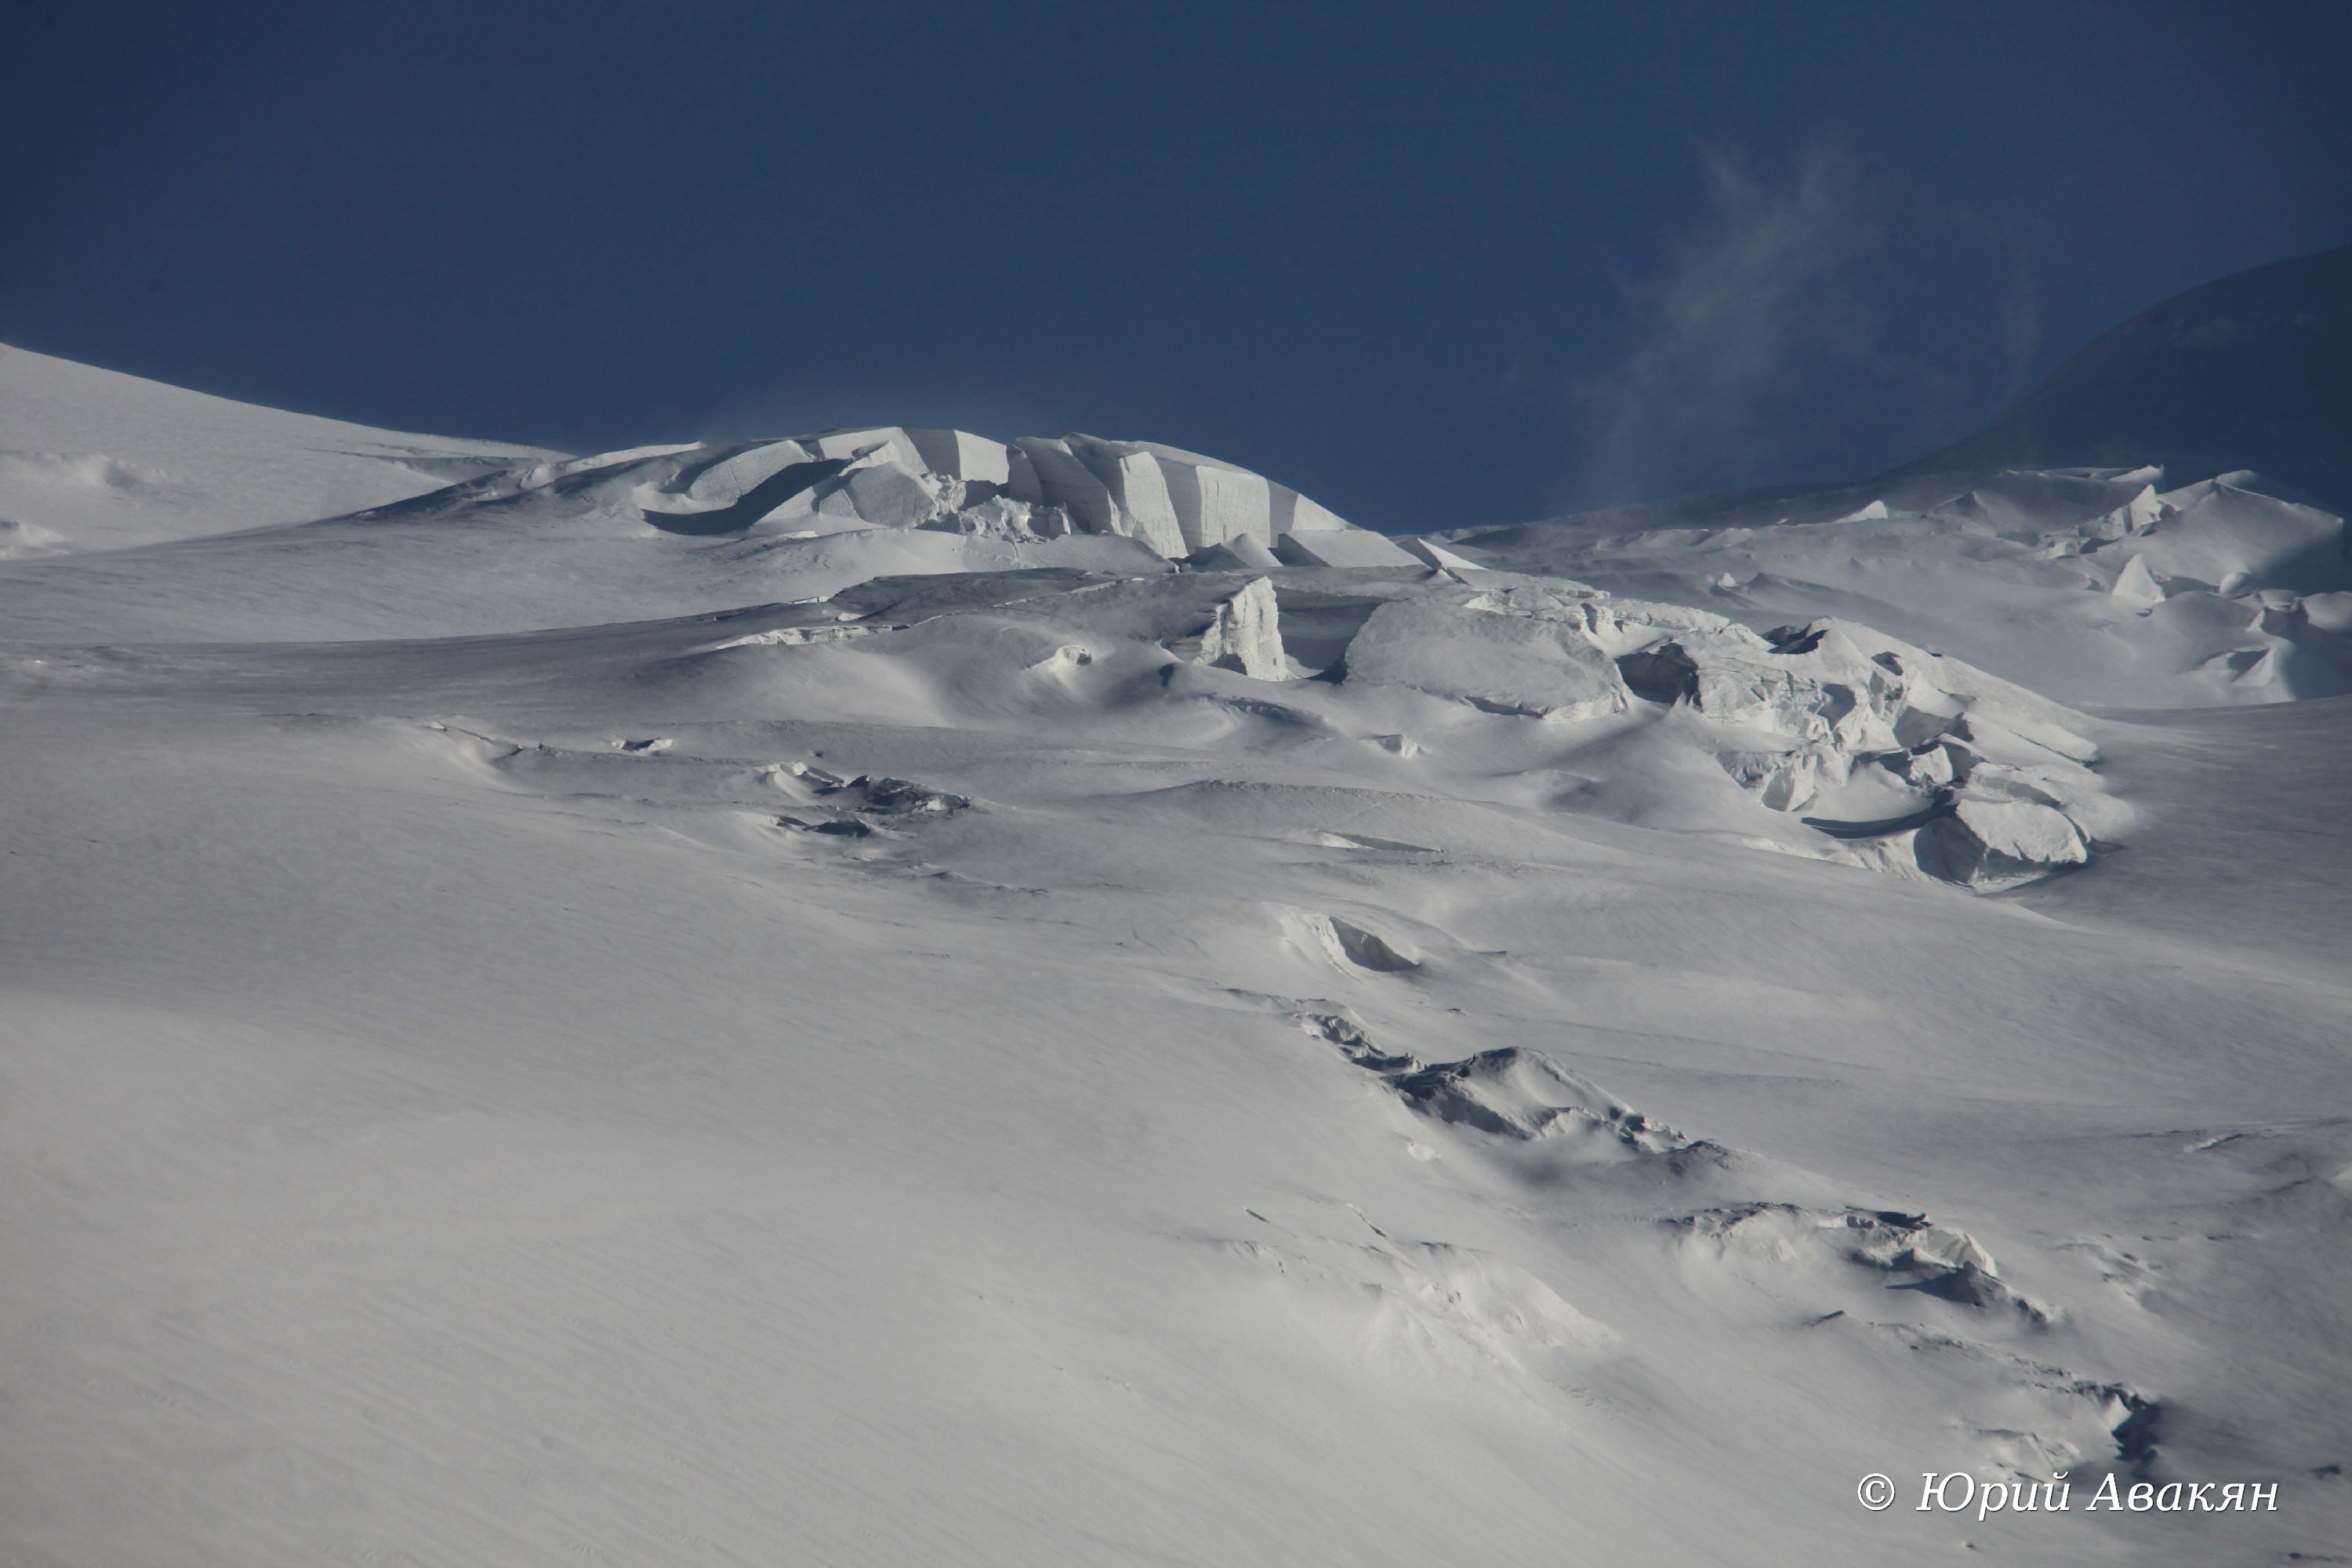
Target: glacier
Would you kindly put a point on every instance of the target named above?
(889, 994)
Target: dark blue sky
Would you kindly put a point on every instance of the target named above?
(1436, 265)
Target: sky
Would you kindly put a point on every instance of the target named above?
(1436, 266)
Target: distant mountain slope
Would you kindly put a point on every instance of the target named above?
(93, 459)
(2253, 371)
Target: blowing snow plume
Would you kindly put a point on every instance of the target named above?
(1746, 305)
(1762, 351)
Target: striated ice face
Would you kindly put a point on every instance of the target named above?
(1174, 503)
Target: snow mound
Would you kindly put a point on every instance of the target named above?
(1440, 1310)
(1498, 662)
(1994, 843)
(1347, 945)
(2220, 532)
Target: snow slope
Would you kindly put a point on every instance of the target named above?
(542, 1028)
(90, 458)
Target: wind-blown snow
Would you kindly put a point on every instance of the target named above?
(851, 1000)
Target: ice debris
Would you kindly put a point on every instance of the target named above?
(1921, 763)
(1518, 1093)
(1244, 633)
(1912, 1253)
(868, 794)
(2000, 788)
